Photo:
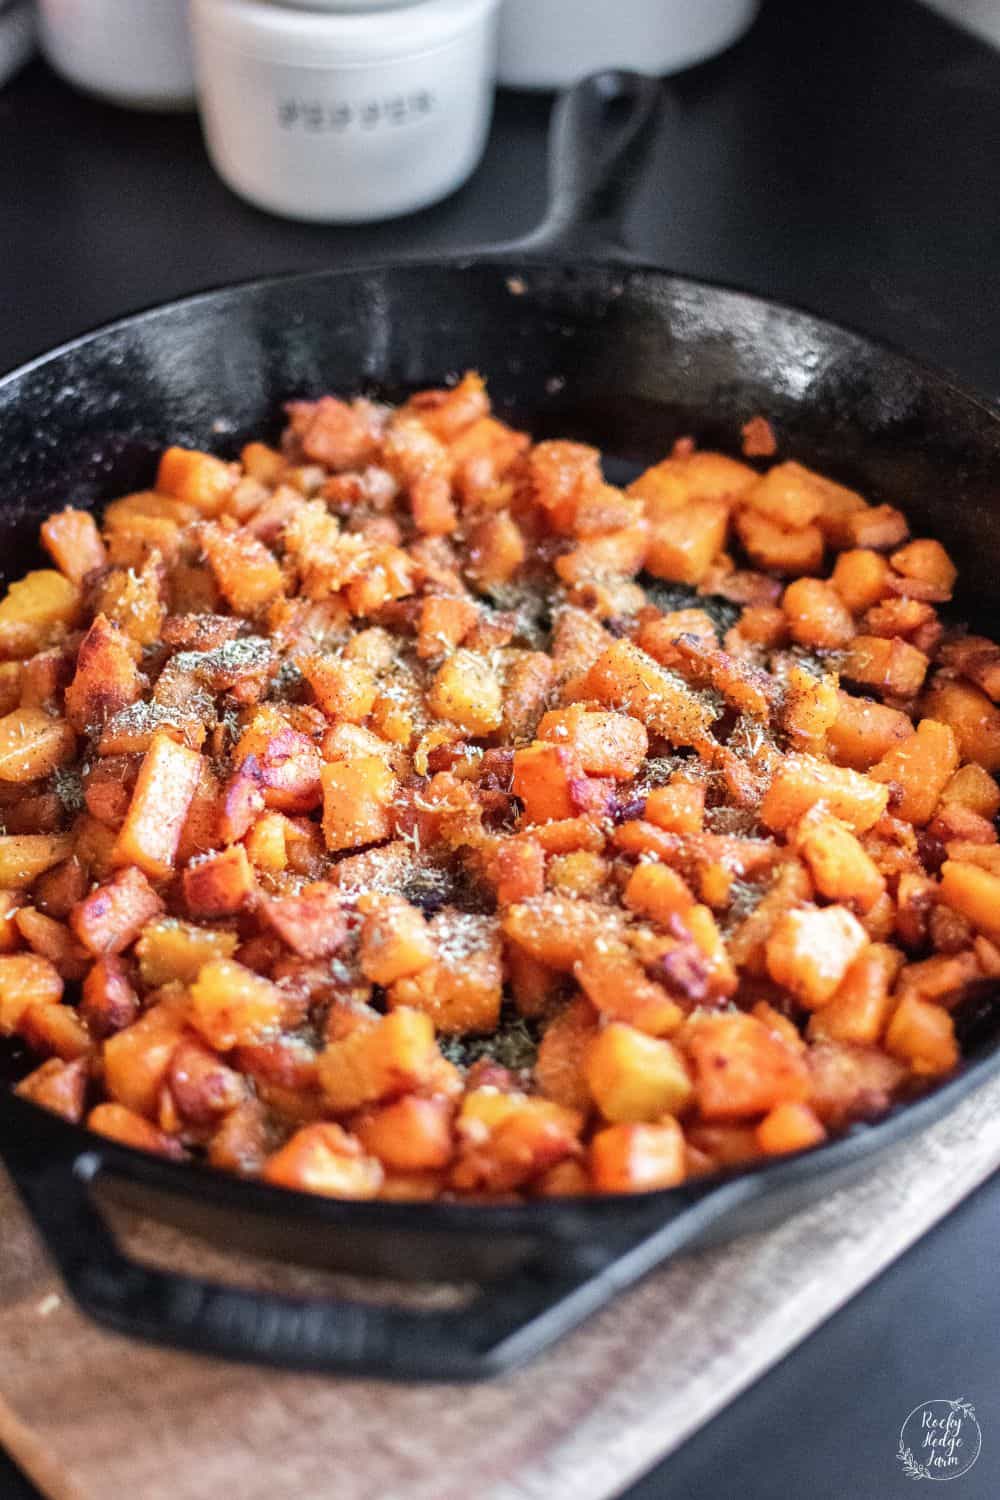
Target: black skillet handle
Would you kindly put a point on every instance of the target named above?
(510, 1321)
(600, 135)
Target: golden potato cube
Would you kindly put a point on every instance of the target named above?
(33, 745)
(634, 1077)
(173, 950)
(232, 1006)
(466, 692)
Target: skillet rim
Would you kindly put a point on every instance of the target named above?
(505, 259)
(193, 1179)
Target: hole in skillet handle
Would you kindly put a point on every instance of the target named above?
(601, 133)
(510, 1321)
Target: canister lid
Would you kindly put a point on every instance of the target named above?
(321, 33)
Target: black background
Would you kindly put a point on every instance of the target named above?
(845, 156)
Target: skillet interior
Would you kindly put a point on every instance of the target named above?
(627, 359)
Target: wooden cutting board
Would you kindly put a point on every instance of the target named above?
(89, 1414)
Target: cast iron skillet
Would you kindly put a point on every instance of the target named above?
(577, 340)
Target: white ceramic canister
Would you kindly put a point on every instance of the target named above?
(343, 111)
(132, 52)
(552, 43)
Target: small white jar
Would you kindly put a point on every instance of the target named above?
(344, 111)
(132, 52)
(551, 43)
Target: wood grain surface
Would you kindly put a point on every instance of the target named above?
(89, 1414)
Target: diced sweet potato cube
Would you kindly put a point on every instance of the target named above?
(861, 578)
(864, 731)
(841, 869)
(560, 1066)
(788, 494)
(242, 1140)
(556, 930)
(466, 692)
(616, 555)
(109, 1002)
(789, 1127)
(683, 544)
(974, 720)
(562, 473)
(974, 789)
(72, 540)
(197, 478)
(410, 1134)
(922, 1035)
(742, 1068)
(241, 802)
(810, 708)
(36, 610)
(974, 893)
(128, 1128)
(779, 549)
(605, 744)
(10, 937)
(388, 575)
(218, 885)
(978, 659)
(616, 983)
(53, 940)
(266, 843)
(918, 770)
(313, 923)
(850, 1082)
(56, 1030)
(889, 665)
(544, 777)
(230, 1005)
(201, 1085)
(462, 989)
(25, 856)
(803, 780)
(32, 745)
(928, 561)
(60, 1087)
(863, 1002)
(394, 1055)
(634, 1077)
(879, 526)
(517, 869)
(507, 1138)
(136, 1059)
(172, 951)
(106, 680)
(692, 476)
(945, 978)
(345, 690)
(658, 892)
(111, 918)
(282, 761)
(677, 808)
(168, 780)
(25, 979)
(638, 1158)
(628, 679)
(816, 614)
(810, 950)
(496, 550)
(358, 796)
(396, 941)
(248, 575)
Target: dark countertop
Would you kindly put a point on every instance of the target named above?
(843, 157)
